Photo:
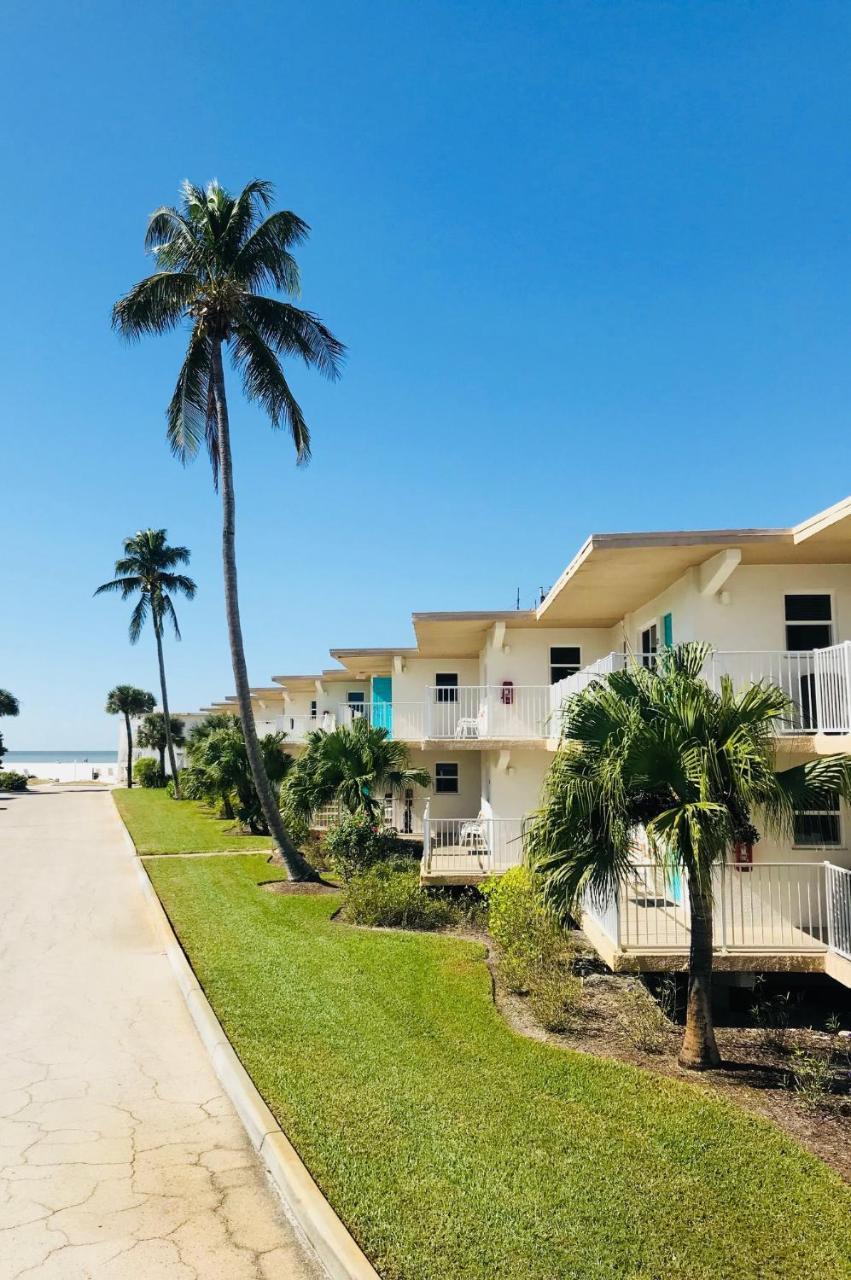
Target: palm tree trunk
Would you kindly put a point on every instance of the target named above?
(699, 1050)
(129, 750)
(284, 851)
(166, 717)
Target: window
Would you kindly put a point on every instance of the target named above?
(446, 687)
(818, 827)
(313, 707)
(565, 660)
(355, 699)
(808, 622)
(649, 645)
(446, 779)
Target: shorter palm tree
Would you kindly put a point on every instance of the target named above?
(220, 771)
(147, 569)
(160, 733)
(126, 700)
(355, 765)
(696, 769)
(9, 706)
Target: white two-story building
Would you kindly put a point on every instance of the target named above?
(478, 699)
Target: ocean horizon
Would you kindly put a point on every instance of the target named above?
(60, 757)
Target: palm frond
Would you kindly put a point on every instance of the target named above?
(154, 305)
(264, 260)
(191, 416)
(263, 381)
(138, 617)
(289, 330)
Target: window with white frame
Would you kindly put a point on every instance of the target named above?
(809, 622)
(649, 645)
(313, 707)
(565, 660)
(817, 828)
(446, 778)
(446, 686)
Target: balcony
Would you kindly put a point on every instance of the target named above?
(816, 682)
(462, 714)
(396, 813)
(466, 850)
(798, 912)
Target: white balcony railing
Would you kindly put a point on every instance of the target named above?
(471, 845)
(503, 711)
(790, 907)
(403, 720)
(298, 727)
(396, 812)
(793, 672)
(816, 682)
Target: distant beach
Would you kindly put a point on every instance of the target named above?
(61, 757)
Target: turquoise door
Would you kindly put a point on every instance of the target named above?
(382, 703)
(667, 631)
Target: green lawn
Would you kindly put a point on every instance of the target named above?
(454, 1148)
(159, 824)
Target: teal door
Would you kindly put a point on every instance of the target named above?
(667, 631)
(382, 703)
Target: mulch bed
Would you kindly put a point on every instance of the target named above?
(299, 888)
(754, 1074)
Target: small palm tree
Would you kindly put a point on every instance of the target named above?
(214, 254)
(219, 770)
(9, 706)
(147, 569)
(662, 750)
(356, 765)
(126, 700)
(160, 734)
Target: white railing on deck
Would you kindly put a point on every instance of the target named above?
(403, 721)
(833, 688)
(791, 907)
(493, 711)
(475, 845)
(298, 727)
(816, 682)
(395, 813)
(838, 909)
(793, 672)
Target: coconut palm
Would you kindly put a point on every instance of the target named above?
(696, 768)
(219, 771)
(9, 706)
(214, 254)
(126, 700)
(160, 734)
(355, 765)
(147, 569)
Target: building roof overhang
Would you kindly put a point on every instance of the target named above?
(613, 574)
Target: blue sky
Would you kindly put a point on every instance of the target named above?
(591, 261)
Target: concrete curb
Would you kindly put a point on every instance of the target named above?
(336, 1249)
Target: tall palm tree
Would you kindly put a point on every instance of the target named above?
(156, 732)
(147, 569)
(214, 254)
(696, 768)
(356, 765)
(126, 700)
(9, 706)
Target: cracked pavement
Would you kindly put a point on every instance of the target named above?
(120, 1157)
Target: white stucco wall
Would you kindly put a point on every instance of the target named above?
(515, 791)
(754, 616)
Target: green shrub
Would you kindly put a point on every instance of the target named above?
(185, 786)
(147, 773)
(384, 895)
(812, 1076)
(11, 781)
(357, 843)
(644, 1020)
(535, 956)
